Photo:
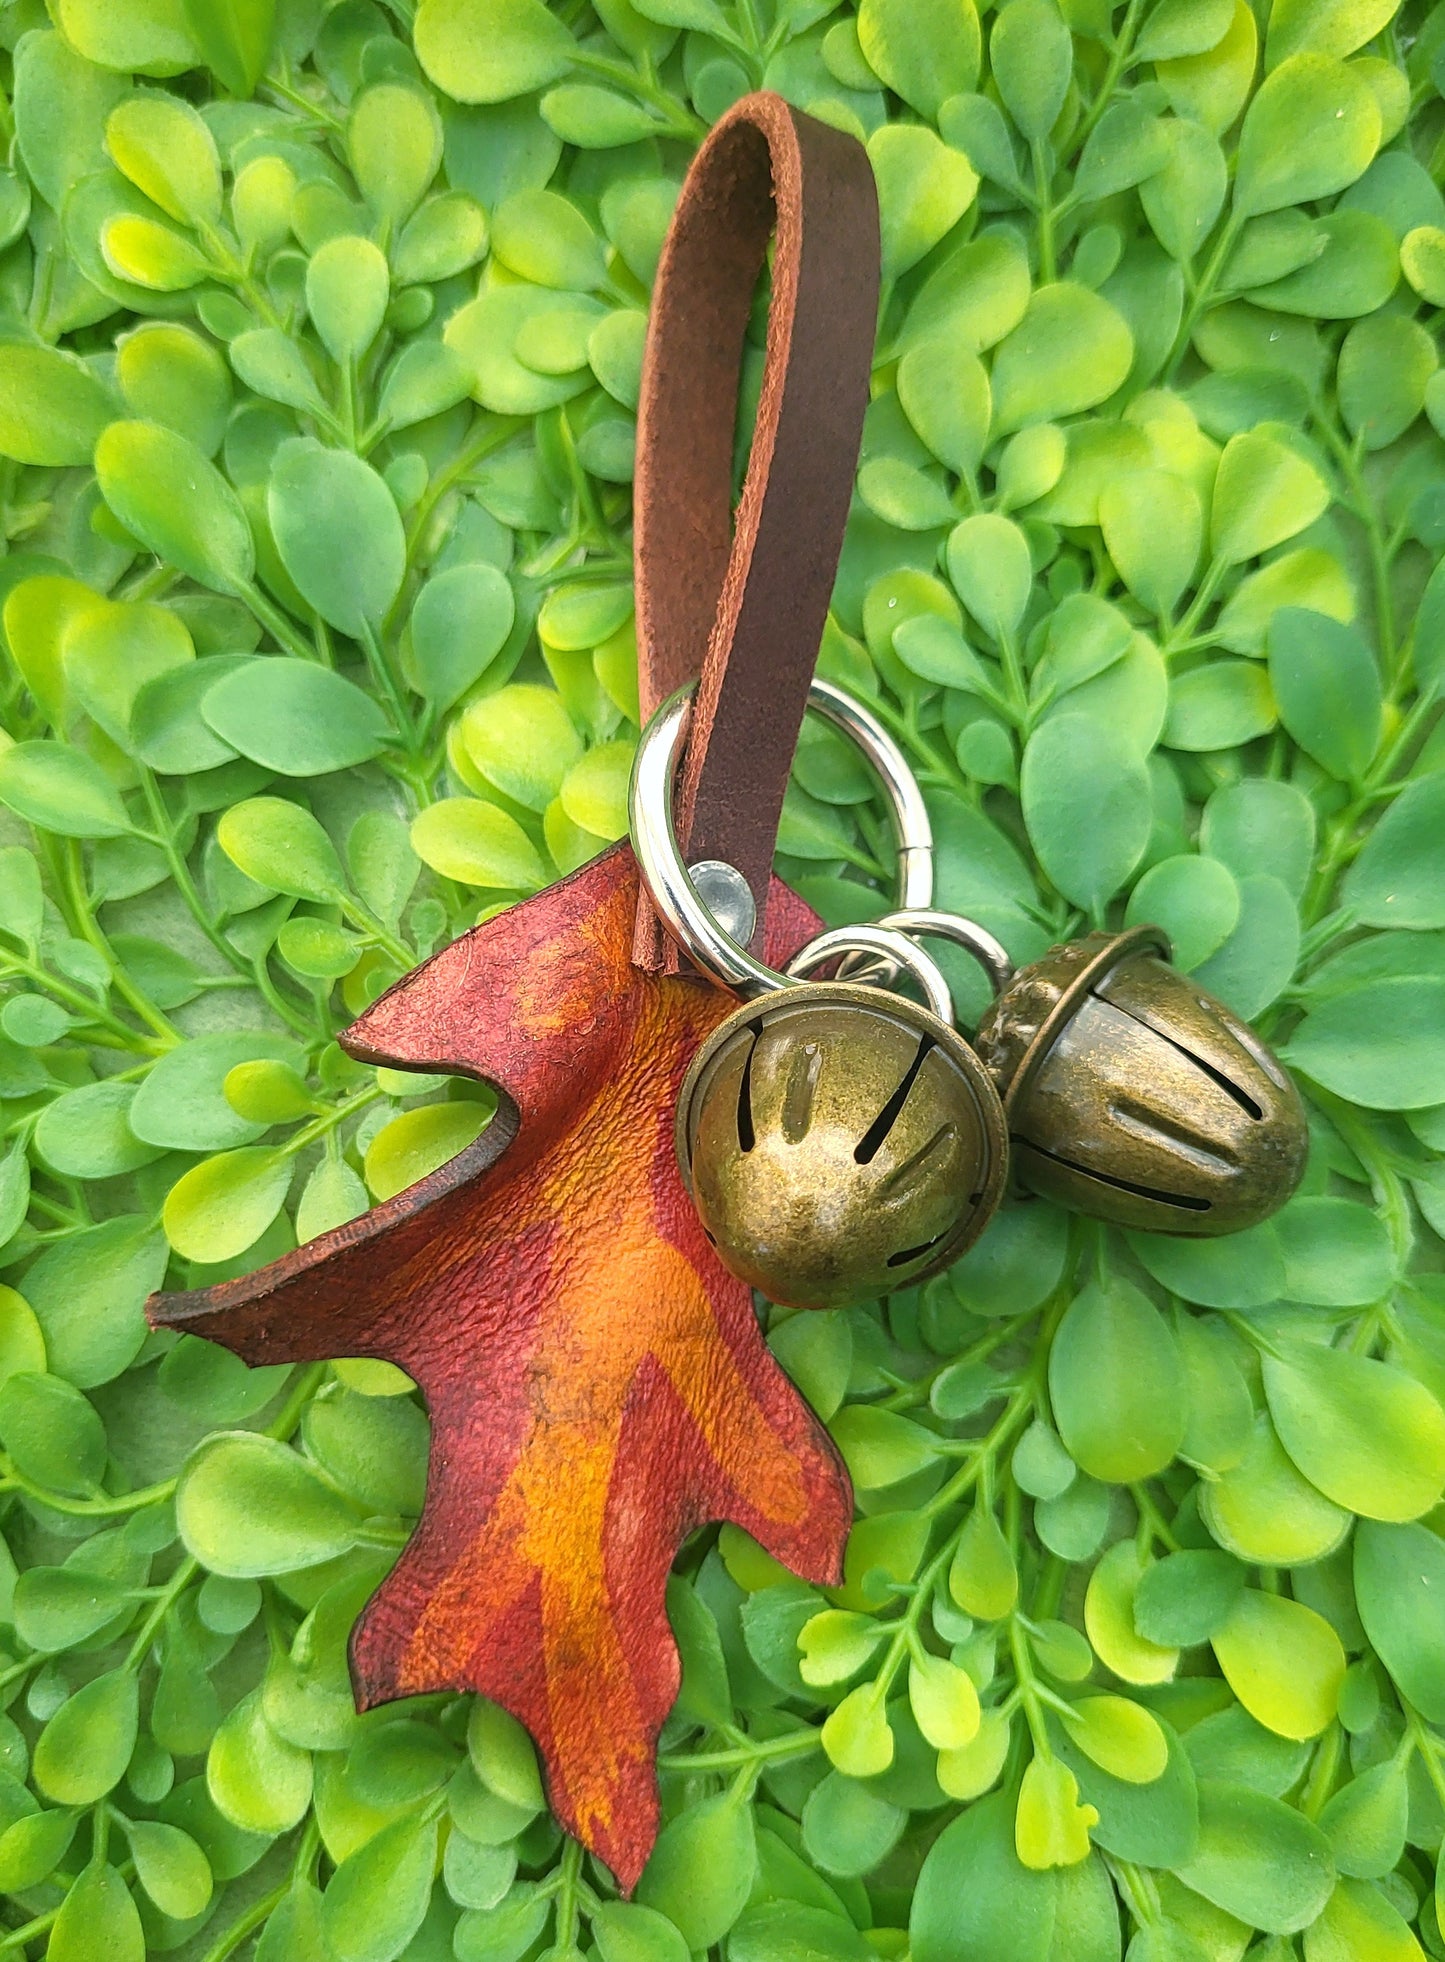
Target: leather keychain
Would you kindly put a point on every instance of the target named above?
(739, 607)
(597, 1381)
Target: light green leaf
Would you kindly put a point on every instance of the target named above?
(1378, 1044)
(1399, 1571)
(418, 1142)
(248, 1506)
(1398, 880)
(924, 188)
(61, 790)
(1311, 130)
(491, 50)
(53, 407)
(348, 283)
(1219, 705)
(1264, 493)
(340, 536)
(1033, 57)
(1332, 27)
(1196, 901)
(923, 52)
(1071, 350)
(479, 844)
(1364, 1432)
(1122, 1421)
(1259, 1859)
(223, 1205)
(235, 38)
(702, 1868)
(1087, 806)
(164, 147)
(295, 717)
(165, 492)
(989, 564)
(280, 845)
(97, 1919)
(1153, 525)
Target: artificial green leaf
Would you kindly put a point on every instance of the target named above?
(924, 55)
(1153, 525)
(84, 1749)
(1070, 351)
(1264, 493)
(1398, 1572)
(1259, 1860)
(976, 1901)
(1367, 1434)
(1087, 806)
(97, 1917)
(248, 1505)
(53, 407)
(1194, 898)
(1311, 130)
(280, 845)
(1121, 1423)
(460, 621)
(340, 536)
(702, 1868)
(1376, 1044)
(1109, 1619)
(1398, 879)
(1262, 1509)
(1032, 57)
(479, 844)
(235, 37)
(418, 1141)
(164, 147)
(924, 188)
(61, 790)
(165, 492)
(1283, 1661)
(523, 741)
(491, 50)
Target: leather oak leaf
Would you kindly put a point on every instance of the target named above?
(597, 1382)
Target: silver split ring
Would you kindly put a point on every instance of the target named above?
(888, 945)
(669, 882)
(991, 955)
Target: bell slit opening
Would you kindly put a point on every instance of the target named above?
(747, 1134)
(871, 1142)
(1227, 1084)
(1186, 1201)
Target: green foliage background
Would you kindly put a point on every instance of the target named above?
(322, 328)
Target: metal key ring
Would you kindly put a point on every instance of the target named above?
(991, 955)
(891, 946)
(669, 882)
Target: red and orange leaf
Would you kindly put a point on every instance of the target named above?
(597, 1382)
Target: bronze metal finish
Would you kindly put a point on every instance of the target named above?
(1133, 1095)
(839, 1143)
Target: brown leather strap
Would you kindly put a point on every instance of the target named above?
(743, 606)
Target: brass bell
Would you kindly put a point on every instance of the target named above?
(839, 1143)
(1133, 1095)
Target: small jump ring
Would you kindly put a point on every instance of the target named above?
(991, 955)
(668, 882)
(892, 946)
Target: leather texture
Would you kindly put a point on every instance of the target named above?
(740, 605)
(597, 1381)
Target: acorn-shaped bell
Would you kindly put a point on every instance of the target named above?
(839, 1143)
(1133, 1095)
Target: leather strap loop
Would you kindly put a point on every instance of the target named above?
(741, 605)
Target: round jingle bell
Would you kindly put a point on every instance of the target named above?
(839, 1143)
(1136, 1097)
